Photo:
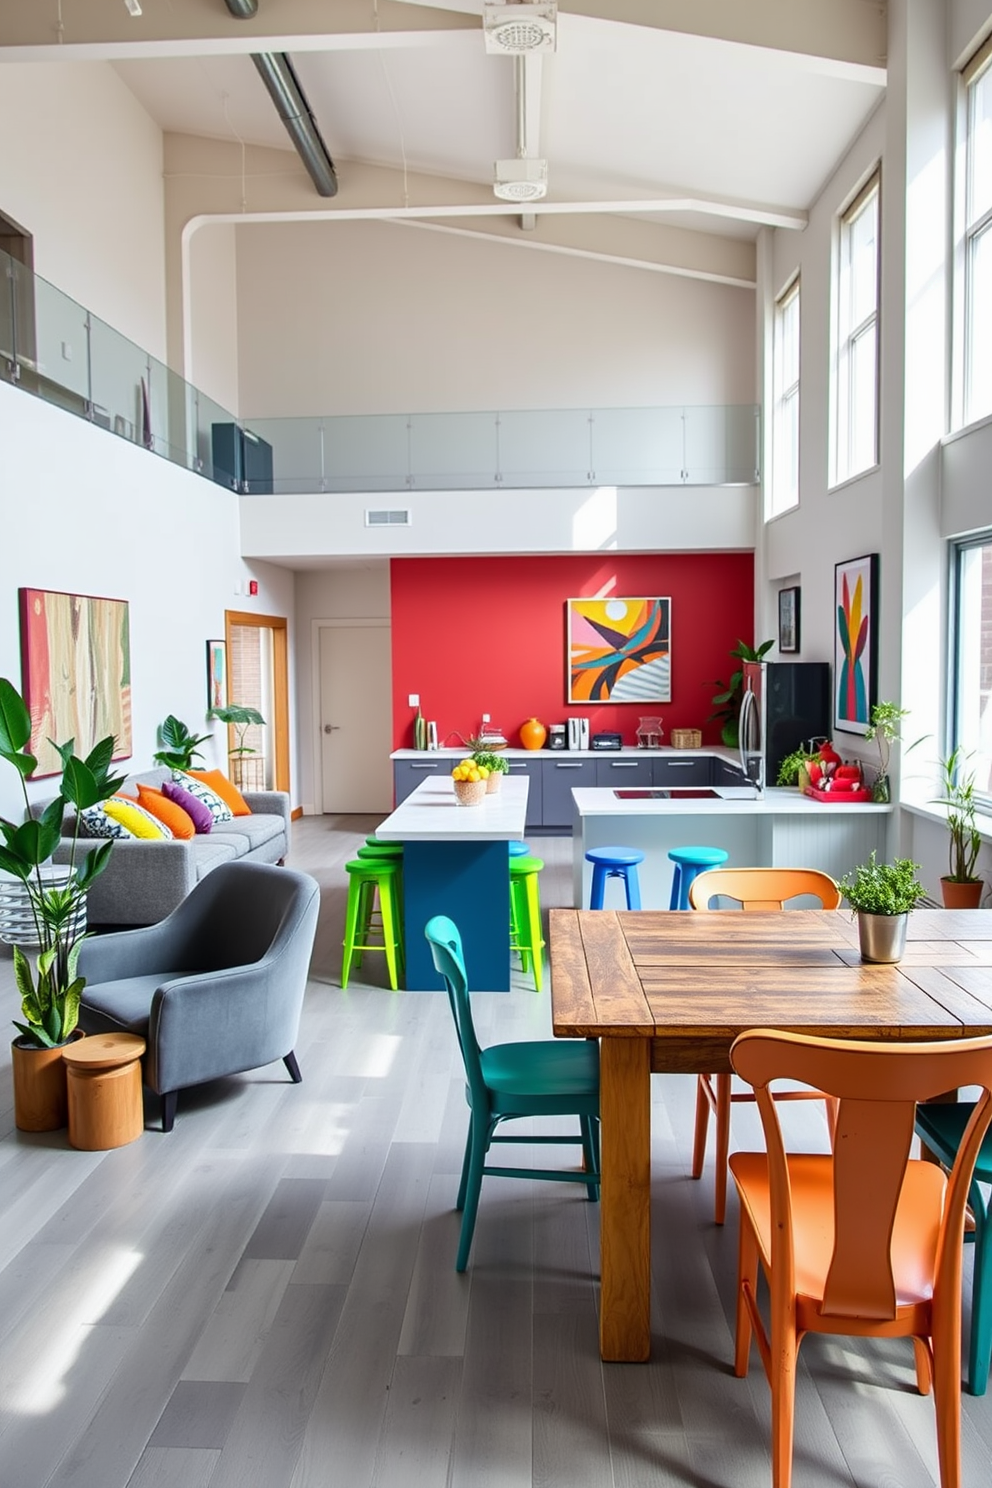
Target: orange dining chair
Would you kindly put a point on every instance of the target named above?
(753, 888)
(863, 1242)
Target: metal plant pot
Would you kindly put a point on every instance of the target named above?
(882, 937)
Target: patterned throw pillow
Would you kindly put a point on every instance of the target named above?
(94, 822)
(178, 820)
(219, 810)
(194, 809)
(138, 821)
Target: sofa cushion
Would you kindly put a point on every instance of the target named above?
(123, 1005)
(179, 821)
(201, 815)
(207, 855)
(252, 830)
(218, 808)
(218, 782)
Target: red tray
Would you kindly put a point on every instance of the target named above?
(837, 798)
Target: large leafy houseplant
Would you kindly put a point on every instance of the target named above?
(958, 796)
(50, 991)
(239, 717)
(180, 747)
(727, 700)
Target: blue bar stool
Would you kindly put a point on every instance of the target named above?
(519, 850)
(688, 862)
(614, 862)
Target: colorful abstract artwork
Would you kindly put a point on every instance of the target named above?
(855, 642)
(216, 674)
(76, 673)
(619, 650)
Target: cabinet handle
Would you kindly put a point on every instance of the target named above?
(624, 764)
(414, 766)
(576, 766)
(679, 764)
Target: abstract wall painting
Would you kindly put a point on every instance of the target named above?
(855, 642)
(619, 650)
(216, 674)
(76, 673)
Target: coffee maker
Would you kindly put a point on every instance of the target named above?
(556, 736)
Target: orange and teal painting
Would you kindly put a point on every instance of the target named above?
(855, 585)
(619, 650)
(76, 666)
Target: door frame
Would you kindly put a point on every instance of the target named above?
(337, 622)
(279, 627)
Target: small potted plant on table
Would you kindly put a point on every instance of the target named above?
(882, 894)
(496, 764)
(961, 887)
(50, 993)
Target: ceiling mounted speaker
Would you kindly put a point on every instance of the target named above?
(520, 30)
(521, 180)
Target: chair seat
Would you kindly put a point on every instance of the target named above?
(543, 1069)
(914, 1238)
(944, 1125)
(124, 1005)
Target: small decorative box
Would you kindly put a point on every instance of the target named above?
(687, 738)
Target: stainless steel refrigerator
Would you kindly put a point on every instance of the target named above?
(786, 704)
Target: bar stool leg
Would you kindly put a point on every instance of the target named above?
(598, 888)
(633, 886)
(387, 906)
(350, 926)
(673, 902)
(534, 938)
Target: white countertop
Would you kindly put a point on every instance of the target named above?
(629, 751)
(432, 814)
(776, 801)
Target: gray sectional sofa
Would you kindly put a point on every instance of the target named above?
(144, 881)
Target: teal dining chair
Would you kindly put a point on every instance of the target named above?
(941, 1127)
(556, 1077)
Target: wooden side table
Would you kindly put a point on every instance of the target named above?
(104, 1084)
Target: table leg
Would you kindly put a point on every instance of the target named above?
(625, 1115)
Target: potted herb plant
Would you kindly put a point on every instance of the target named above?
(180, 747)
(794, 769)
(727, 701)
(882, 894)
(50, 991)
(884, 722)
(497, 766)
(241, 718)
(961, 887)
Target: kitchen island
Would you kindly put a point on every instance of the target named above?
(780, 829)
(456, 863)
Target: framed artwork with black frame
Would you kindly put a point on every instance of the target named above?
(788, 620)
(855, 642)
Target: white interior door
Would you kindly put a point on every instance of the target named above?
(355, 718)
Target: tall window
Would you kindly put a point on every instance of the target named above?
(785, 417)
(972, 700)
(856, 378)
(978, 238)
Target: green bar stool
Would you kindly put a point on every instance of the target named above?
(525, 915)
(382, 852)
(382, 849)
(367, 878)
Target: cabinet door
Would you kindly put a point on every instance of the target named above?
(532, 769)
(561, 777)
(693, 771)
(407, 774)
(624, 771)
(726, 774)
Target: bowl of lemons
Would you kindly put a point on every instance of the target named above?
(470, 782)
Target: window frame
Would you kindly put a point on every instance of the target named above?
(959, 548)
(848, 335)
(973, 230)
(786, 403)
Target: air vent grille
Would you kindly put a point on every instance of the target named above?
(396, 517)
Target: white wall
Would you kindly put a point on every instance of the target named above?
(90, 513)
(357, 592)
(213, 310)
(81, 169)
(379, 317)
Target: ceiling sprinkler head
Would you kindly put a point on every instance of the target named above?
(521, 180)
(519, 29)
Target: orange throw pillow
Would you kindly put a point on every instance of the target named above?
(218, 782)
(166, 811)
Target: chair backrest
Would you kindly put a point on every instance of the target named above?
(237, 914)
(763, 888)
(877, 1085)
(446, 949)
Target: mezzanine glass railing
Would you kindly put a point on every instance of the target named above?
(55, 348)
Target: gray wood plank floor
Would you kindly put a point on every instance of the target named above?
(266, 1297)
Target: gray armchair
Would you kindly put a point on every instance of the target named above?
(214, 989)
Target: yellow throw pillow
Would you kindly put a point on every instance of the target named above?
(138, 821)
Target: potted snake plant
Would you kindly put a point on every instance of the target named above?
(56, 900)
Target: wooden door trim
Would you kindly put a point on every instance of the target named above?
(279, 626)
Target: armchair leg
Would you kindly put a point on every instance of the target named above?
(168, 1100)
(289, 1060)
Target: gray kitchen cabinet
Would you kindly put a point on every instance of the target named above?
(726, 774)
(407, 774)
(619, 771)
(561, 776)
(696, 770)
(535, 793)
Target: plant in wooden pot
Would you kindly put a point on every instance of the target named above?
(241, 718)
(496, 764)
(881, 895)
(961, 887)
(49, 991)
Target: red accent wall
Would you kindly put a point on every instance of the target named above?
(474, 635)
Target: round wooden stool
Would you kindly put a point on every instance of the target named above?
(104, 1081)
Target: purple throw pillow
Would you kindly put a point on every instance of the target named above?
(199, 814)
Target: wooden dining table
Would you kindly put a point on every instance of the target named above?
(669, 992)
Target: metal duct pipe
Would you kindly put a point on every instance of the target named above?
(277, 73)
